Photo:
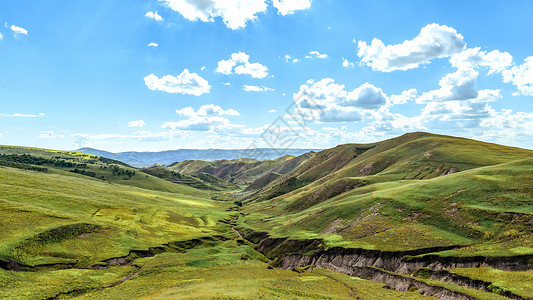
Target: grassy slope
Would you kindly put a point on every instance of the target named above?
(100, 167)
(241, 171)
(125, 218)
(486, 207)
(411, 156)
(128, 217)
(516, 282)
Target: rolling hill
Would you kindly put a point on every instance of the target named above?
(406, 218)
(243, 171)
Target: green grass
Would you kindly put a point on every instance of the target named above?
(485, 207)
(120, 217)
(385, 196)
(516, 282)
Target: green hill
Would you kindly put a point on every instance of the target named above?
(242, 171)
(415, 191)
(85, 165)
(415, 216)
(68, 235)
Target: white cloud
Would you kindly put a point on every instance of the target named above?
(240, 64)
(404, 97)
(318, 95)
(185, 83)
(433, 41)
(460, 85)
(347, 64)
(154, 15)
(287, 7)
(18, 30)
(137, 123)
(153, 45)
(272, 111)
(366, 96)
(521, 76)
(23, 115)
(215, 110)
(234, 13)
(1, 36)
(326, 101)
(203, 68)
(226, 83)
(471, 111)
(206, 118)
(316, 54)
(255, 88)
(295, 60)
(495, 60)
(340, 114)
(50, 135)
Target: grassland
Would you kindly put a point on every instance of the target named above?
(487, 204)
(113, 231)
(63, 218)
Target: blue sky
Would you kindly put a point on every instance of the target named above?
(155, 75)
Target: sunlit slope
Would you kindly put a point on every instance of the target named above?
(414, 156)
(60, 218)
(490, 208)
(242, 171)
(85, 165)
(49, 218)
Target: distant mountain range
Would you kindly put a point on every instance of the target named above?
(144, 159)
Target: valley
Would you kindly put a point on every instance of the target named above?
(419, 216)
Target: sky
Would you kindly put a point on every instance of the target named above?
(152, 75)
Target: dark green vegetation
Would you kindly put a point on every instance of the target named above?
(420, 214)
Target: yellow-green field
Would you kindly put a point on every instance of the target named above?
(79, 226)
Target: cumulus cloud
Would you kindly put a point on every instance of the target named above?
(316, 54)
(1, 36)
(366, 96)
(154, 15)
(287, 7)
(521, 76)
(335, 113)
(206, 118)
(255, 88)
(50, 135)
(326, 101)
(207, 110)
(18, 30)
(433, 41)
(317, 95)
(347, 64)
(153, 45)
(460, 85)
(185, 83)
(235, 13)
(240, 64)
(404, 97)
(495, 61)
(137, 123)
(272, 111)
(23, 115)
